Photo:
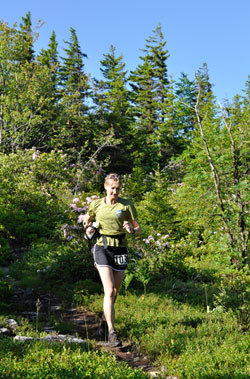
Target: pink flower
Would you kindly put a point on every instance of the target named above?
(76, 200)
(78, 209)
(80, 219)
(35, 155)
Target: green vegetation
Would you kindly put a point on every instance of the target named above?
(40, 360)
(184, 161)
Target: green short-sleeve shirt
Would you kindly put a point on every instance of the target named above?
(111, 218)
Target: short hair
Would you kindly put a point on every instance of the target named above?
(114, 177)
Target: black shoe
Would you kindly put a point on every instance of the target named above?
(113, 339)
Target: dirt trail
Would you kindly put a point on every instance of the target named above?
(86, 324)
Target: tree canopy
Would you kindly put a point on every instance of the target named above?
(179, 152)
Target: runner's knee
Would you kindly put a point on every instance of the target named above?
(110, 291)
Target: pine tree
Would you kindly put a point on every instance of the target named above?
(74, 80)
(186, 97)
(74, 92)
(113, 111)
(28, 37)
(150, 86)
(48, 58)
(22, 87)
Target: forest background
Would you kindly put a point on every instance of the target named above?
(184, 161)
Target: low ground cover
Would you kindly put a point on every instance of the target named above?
(59, 361)
(187, 328)
(182, 334)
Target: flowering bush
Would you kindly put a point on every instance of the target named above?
(77, 209)
(158, 254)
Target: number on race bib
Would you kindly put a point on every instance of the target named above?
(120, 259)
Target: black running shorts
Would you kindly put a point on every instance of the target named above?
(113, 257)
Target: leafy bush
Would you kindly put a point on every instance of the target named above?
(234, 295)
(5, 255)
(154, 210)
(32, 187)
(5, 291)
(156, 254)
(48, 265)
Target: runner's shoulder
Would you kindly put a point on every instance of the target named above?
(125, 202)
(96, 203)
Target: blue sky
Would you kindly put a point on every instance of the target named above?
(213, 31)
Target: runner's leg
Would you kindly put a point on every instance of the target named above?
(107, 279)
(111, 281)
(118, 278)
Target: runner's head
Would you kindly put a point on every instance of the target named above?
(113, 177)
(112, 186)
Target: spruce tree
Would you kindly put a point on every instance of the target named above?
(112, 109)
(28, 37)
(186, 97)
(23, 86)
(52, 109)
(150, 96)
(74, 92)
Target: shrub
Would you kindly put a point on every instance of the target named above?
(234, 295)
(5, 291)
(31, 186)
(51, 265)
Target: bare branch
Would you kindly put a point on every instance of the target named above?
(105, 143)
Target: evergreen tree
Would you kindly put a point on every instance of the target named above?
(28, 37)
(186, 97)
(113, 111)
(23, 96)
(152, 98)
(74, 92)
(48, 58)
(74, 80)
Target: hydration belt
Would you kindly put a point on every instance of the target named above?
(104, 239)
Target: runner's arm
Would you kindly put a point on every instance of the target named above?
(134, 229)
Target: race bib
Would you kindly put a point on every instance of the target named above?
(121, 259)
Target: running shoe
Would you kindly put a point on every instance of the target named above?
(113, 339)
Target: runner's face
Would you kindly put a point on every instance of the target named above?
(112, 188)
